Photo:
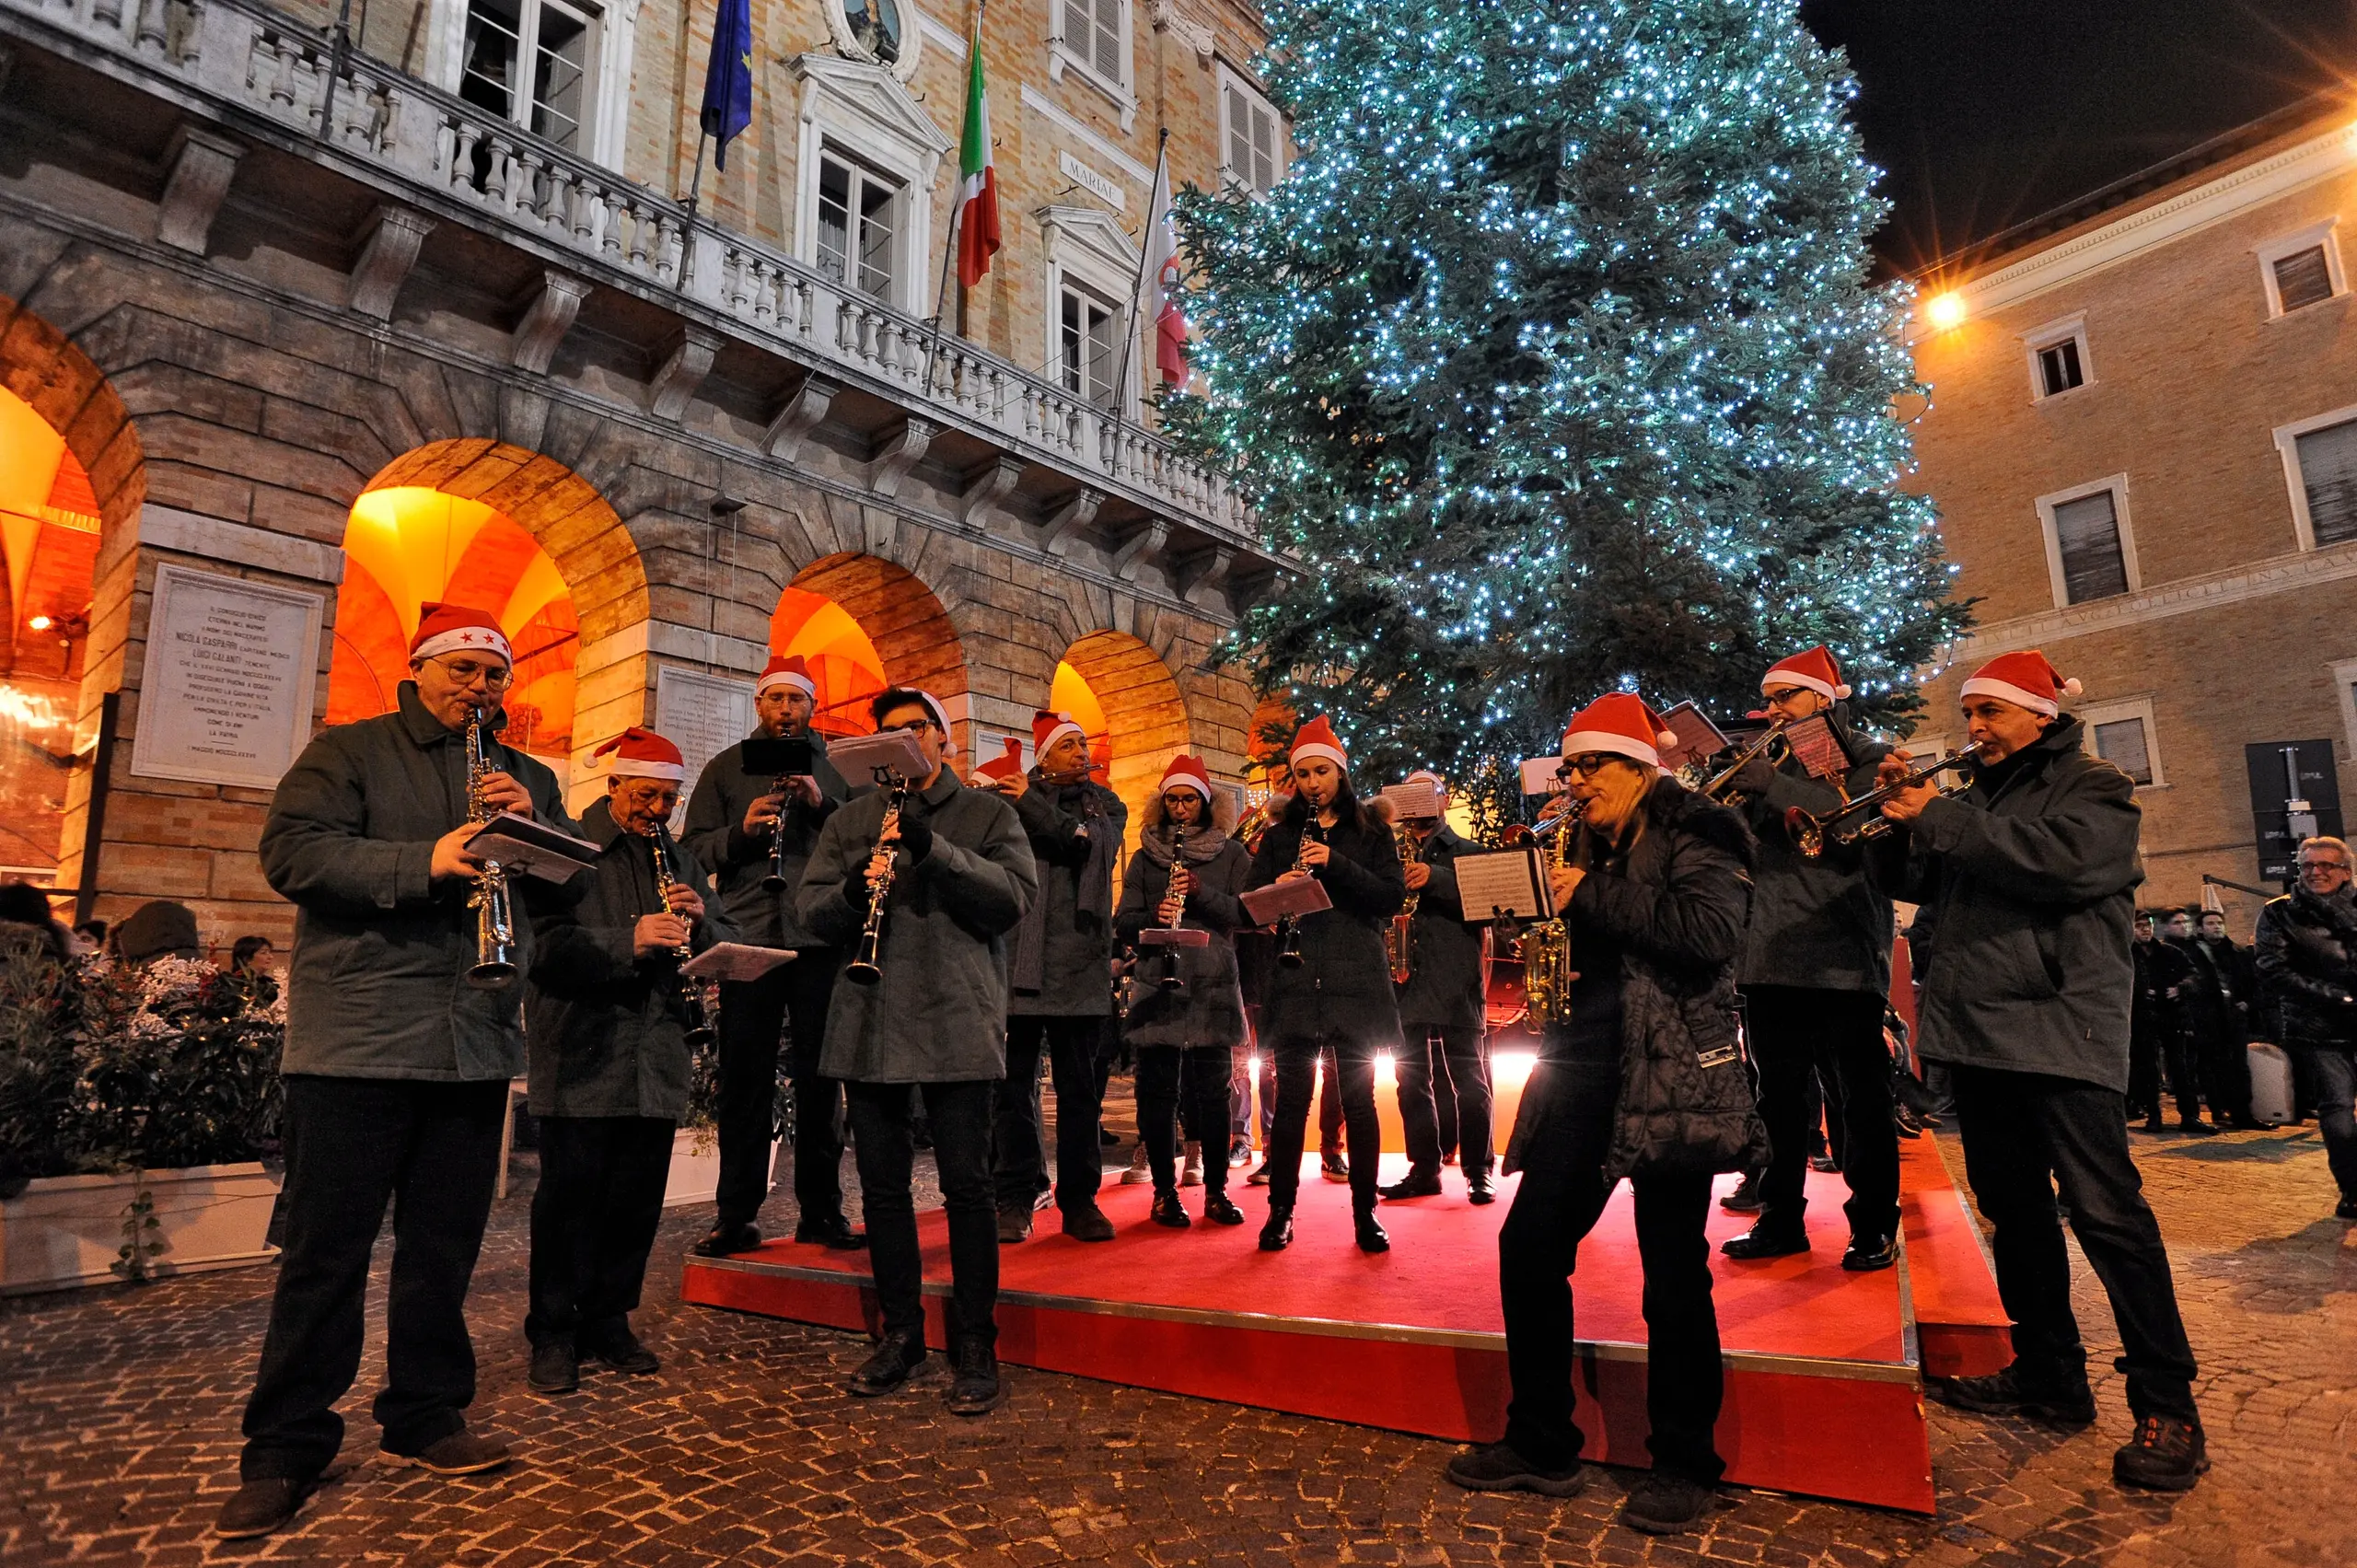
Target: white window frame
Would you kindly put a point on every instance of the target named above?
(2270, 251)
(606, 125)
(1089, 247)
(2037, 339)
(2118, 484)
(2287, 444)
(2344, 688)
(1063, 57)
(1926, 747)
(865, 114)
(2115, 712)
(1233, 81)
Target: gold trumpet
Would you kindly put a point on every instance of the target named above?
(1811, 829)
(1765, 746)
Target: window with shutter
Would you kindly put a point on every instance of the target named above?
(1255, 148)
(2058, 367)
(2302, 278)
(2329, 474)
(2086, 535)
(2125, 746)
(1092, 38)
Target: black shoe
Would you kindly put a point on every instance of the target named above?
(2255, 1124)
(897, 1358)
(1824, 1163)
(1240, 1152)
(1744, 1198)
(1087, 1225)
(726, 1240)
(834, 1232)
(1478, 1192)
(1665, 1504)
(262, 1507)
(2068, 1404)
(1761, 1242)
(1107, 1138)
(1905, 1121)
(1259, 1178)
(1219, 1210)
(461, 1453)
(2155, 1124)
(974, 1388)
(1333, 1168)
(1013, 1223)
(1494, 1467)
(555, 1369)
(2198, 1127)
(1372, 1237)
(1868, 1253)
(1413, 1185)
(2165, 1455)
(2347, 1209)
(1277, 1235)
(620, 1351)
(1167, 1210)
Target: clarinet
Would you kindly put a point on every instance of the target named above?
(867, 967)
(1179, 884)
(775, 880)
(1289, 926)
(691, 989)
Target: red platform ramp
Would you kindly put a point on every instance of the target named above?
(1824, 1387)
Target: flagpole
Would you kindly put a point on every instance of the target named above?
(1137, 289)
(949, 247)
(695, 181)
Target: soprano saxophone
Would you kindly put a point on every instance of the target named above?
(1547, 972)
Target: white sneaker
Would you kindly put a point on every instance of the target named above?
(1140, 1172)
(1192, 1176)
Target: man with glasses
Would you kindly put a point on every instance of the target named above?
(955, 873)
(2306, 954)
(1816, 979)
(395, 1068)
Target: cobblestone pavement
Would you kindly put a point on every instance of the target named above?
(118, 1411)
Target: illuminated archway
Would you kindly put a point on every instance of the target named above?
(864, 623)
(1123, 694)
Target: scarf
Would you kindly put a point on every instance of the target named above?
(1203, 845)
(1092, 898)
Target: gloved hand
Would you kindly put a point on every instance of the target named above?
(1755, 776)
(916, 827)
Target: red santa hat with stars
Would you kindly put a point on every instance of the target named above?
(640, 754)
(457, 629)
(1620, 723)
(2024, 678)
(1812, 671)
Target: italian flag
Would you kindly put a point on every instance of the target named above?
(978, 238)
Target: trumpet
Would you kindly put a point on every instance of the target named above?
(692, 1000)
(867, 967)
(1763, 747)
(497, 956)
(1254, 824)
(1179, 886)
(1289, 926)
(1810, 830)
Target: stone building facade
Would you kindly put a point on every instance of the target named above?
(246, 301)
(2143, 441)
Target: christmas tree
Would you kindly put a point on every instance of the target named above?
(1557, 358)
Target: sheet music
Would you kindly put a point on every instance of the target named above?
(1504, 882)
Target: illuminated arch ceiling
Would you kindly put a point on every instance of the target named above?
(48, 535)
(407, 546)
(1071, 693)
(843, 662)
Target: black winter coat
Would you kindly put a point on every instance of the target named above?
(2306, 954)
(1821, 923)
(1342, 988)
(1076, 949)
(1677, 910)
(1208, 1010)
(1443, 985)
(2162, 969)
(2229, 987)
(715, 833)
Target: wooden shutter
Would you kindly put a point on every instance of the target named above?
(2302, 278)
(2087, 534)
(2329, 474)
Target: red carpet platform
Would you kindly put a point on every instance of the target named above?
(1824, 1385)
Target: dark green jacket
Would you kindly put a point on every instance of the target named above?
(607, 1030)
(939, 1014)
(375, 987)
(1444, 952)
(2030, 887)
(1820, 924)
(715, 833)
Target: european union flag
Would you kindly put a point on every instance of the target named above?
(728, 80)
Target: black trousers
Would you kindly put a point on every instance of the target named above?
(1329, 1106)
(430, 1149)
(959, 1115)
(1795, 1031)
(2223, 1068)
(791, 999)
(1353, 1081)
(1176, 1084)
(1445, 1070)
(594, 1218)
(2025, 1134)
(2333, 1070)
(1561, 1196)
(1018, 1148)
(2149, 1051)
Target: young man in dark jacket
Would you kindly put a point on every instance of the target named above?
(955, 876)
(608, 1019)
(1060, 976)
(396, 1066)
(2306, 958)
(1443, 1015)
(2213, 1015)
(748, 830)
(2160, 1030)
(1646, 1080)
(2030, 880)
(1816, 979)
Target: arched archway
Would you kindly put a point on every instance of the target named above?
(1145, 715)
(865, 623)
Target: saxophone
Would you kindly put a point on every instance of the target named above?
(1547, 972)
(692, 1000)
(492, 902)
(1400, 937)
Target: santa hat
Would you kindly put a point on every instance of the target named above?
(1006, 765)
(455, 629)
(1047, 728)
(1187, 773)
(640, 754)
(1622, 724)
(1811, 671)
(786, 670)
(1316, 738)
(2024, 678)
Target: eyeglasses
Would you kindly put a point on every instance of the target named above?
(1587, 764)
(915, 726)
(1786, 693)
(2332, 866)
(466, 672)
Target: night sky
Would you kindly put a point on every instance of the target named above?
(1986, 112)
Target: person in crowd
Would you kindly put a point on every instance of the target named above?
(160, 928)
(2306, 958)
(1061, 979)
(1646, 1080)
(2158, 1031)
(1443, 1014)
(608, 1018)
(1182, 1036)
(396, 1069)
(2029, 880)
(2237, 981)
(252, 957)
(25, 908)
(953, 873)
(755, 834)
(1338, 994)
(2214, 1016)
(1816, 979)
(89, 937)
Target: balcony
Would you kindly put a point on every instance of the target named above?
(1006, 450)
